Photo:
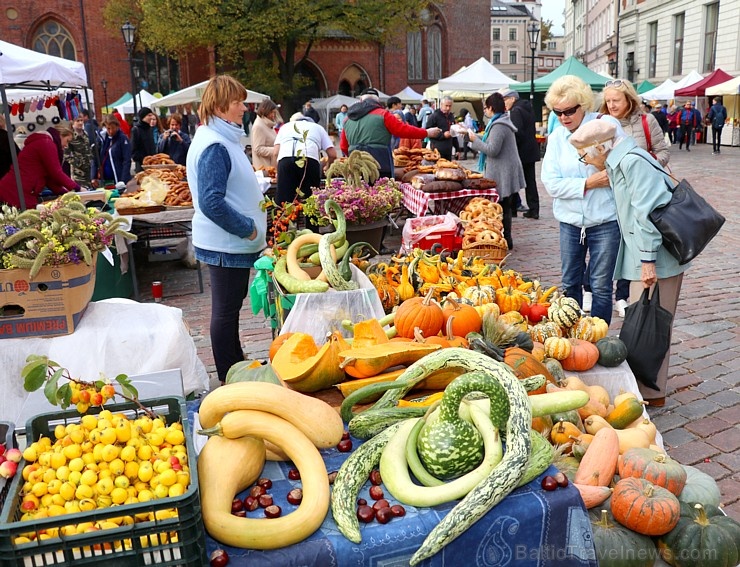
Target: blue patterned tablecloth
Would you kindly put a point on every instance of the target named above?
(530, 528)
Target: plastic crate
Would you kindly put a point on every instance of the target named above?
(7, 436)
(450, 240)
(164, 542)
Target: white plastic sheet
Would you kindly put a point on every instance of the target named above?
(115, 336)
(319, 314)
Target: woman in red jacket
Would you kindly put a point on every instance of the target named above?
(40, 168)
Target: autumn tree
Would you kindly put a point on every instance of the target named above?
(262, 41)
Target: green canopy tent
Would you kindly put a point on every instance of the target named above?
(570, 66)
(112, 106)
(644, 86)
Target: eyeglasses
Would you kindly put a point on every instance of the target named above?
(582, 158)
(568, 111)
(614, 83)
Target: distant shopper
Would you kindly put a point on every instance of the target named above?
(716, 117)
(175, 142)
(114, 164)
(78, 153)
(311, 112)
(6, 161)
(142, 140)
(443, 119)
(263, 135)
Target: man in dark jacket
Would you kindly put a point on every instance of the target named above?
(716, 117)
(443, 119)
(522, 116)
(142, 139)
(311, 112)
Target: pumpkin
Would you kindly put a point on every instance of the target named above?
(524, 341)
(368, 333)
(435, 340)
(643, 507)
(704, 537)
(612, 351)
(555, 368)
(466, 318)
(699, 487)
(252, 371)
(276, 343)
(307, 368)
(454, 340)
(514, 319)
(509, 298)
(524, 365)
(617, 546)
(487, 308)
(419, 312)
(589, 329)
(480, 294)
(558, 348)
(543, 330)
(656, 467)
(583, 356)
(538, 351)
(563, 432)
(564, 311)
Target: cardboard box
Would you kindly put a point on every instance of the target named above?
(50, 305)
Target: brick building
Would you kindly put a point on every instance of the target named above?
(453, 35)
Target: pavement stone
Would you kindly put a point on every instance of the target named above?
(726, 441)
(677, 437)
(705, 357)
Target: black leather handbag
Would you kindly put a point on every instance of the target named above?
(687, 222)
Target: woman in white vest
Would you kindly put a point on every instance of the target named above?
(228, 226)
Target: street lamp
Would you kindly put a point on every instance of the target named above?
(534, 34)
(612, 67)
(129, 39)
(104, 83)
(630, 62)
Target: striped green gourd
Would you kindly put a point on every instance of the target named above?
(564, 311)
(331, 270)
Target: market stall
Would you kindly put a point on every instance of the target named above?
(730, 93)
(419, 202)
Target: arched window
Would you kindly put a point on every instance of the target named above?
(434, 53)
(54, 39)
(414, 55)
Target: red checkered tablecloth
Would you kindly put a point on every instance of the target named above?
(419, 202)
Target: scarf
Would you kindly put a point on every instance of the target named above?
(481, 155)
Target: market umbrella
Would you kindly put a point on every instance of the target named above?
(644, 87)
(717, 77)
(570, 66)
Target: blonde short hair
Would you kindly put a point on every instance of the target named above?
(568, 91)
(633, 99)
(220, 92)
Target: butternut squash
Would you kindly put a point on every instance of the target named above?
(593, 423)
(599, 394)
(599, 463)
(319, 421)
(629, 438)
(619, 398)
(307, 368)
(252, 533)
(573, 383)
(371, 361)
(649, 428)
(624, 413)
(563, 432)
(593, 407)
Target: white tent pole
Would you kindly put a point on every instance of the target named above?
(13, 154)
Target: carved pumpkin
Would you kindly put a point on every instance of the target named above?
(564, 311)
(589, 329)
(583, 356)
(465, 318)
(656, 467)
(643, 507)
(277, 342)
(558, 348)
(543, 330)
(419, 312)
(307, 368)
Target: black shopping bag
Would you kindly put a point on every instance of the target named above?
(646, 332)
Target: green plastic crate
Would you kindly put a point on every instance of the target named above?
(7, 436)
(134, 545)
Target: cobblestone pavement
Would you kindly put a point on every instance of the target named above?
(700, 422)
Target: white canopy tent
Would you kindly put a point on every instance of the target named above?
(480, 77)
(409, 96)
(329, 107)
(731, 87)
(24, 68)
(666, 91)
(143, 98)
(194, 93)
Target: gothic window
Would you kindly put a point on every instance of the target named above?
(414, 55)
(434, 53)
(54, 39)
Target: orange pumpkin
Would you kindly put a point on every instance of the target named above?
(454, 340)
(276, 343)
(524, 365)
(466, 318)
(583, 356)
(509, 299)
(421, 312)
(653, 466)
(644, 508)
(433, 340)
(538, 351)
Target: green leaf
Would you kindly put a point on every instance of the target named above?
(99, 384)
(130, 391)
(34, 376)
(50, 390)
(123, 379)
(64, 395)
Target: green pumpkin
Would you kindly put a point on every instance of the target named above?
(252, 371)
(617, 546)
(612, 351)
(703, 537)
(699, 487)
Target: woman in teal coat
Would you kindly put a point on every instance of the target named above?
(640, 185)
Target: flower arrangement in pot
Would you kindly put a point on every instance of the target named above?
(63, 231)
(354, 184)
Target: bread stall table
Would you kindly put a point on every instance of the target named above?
(530, 527)
(420, 202)
(157, 225)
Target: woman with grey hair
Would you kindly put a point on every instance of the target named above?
(639, 185)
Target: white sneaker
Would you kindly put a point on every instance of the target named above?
(587, 299)
(621, 306)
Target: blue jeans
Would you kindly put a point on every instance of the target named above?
(601, 243)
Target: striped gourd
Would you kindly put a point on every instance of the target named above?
(328, 264)
(558, 348)
(450, 446)
(589, 329)
(564, 311)
(509, 471)
(542, 331)
(351, 476)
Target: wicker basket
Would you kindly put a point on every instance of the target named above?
(487, 252)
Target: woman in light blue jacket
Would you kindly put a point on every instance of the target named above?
(640, 186)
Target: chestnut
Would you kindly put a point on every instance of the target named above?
(273, 511)
(295, 496)
(384, 515)
(398, 510)
(365, 514)
(549, 483)
(361, 501)
(345, 434)
(251, 504)
(219, 558)
(332, 476)
(376, 492)
(561, 479)
(265, 483)
(240, 513)
(344, 446)
(375, 477)
(257, 491)
(382, 503)
(236, 505)
(294, 474)
(265, 500)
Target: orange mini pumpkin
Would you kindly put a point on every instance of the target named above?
(420, 312)
(465, 318)
(583, 356)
